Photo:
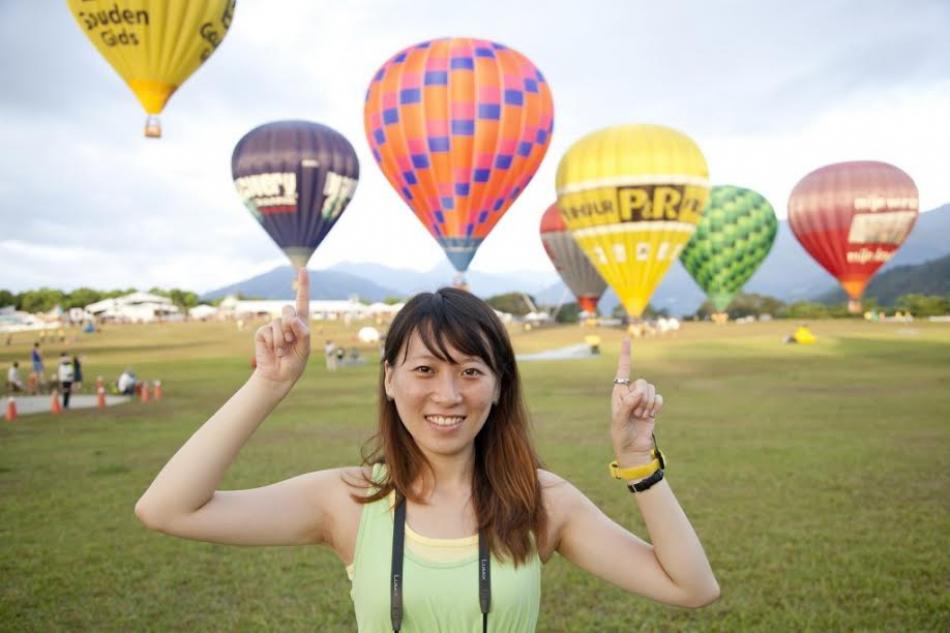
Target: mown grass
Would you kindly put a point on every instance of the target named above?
(816, 476)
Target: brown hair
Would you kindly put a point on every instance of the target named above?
(506, 493)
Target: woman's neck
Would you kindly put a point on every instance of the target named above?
(450, 473)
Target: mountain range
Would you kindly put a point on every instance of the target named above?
(788, 273)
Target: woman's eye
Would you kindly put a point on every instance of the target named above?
(423, 369)
(472, 371)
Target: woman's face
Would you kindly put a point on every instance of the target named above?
(442, 404)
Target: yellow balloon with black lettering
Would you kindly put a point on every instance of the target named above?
(154, 45)
(631, 196)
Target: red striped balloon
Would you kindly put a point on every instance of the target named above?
(852, 217)
(569, 260)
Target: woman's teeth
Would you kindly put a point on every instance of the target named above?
(444, 421)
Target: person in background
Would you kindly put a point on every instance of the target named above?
(126, 382)
(65, 376)
(14, 383)
(77, 374)
(329, 350)
(36, 357)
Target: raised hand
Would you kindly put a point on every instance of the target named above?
(634, 407)
(282, 347)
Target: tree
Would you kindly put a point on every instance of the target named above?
(924, 305)
(183, 298)
(42, 300)
(805, 310)
(391, 301)
(81, 297)
(7, 298)
(511, 302)
(743, 305)
(568, 313)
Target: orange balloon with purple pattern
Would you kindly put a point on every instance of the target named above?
(459, 126)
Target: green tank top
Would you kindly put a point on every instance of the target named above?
(438, 595)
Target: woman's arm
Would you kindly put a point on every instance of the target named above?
(674, 568)
(184, 500)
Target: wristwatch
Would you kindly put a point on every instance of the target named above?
(647, 483)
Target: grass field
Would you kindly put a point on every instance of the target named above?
(817, 477)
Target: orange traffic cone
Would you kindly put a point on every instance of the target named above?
(101, 397)
(158, 390)
(11, 409)
(144, 391)
(55, 406)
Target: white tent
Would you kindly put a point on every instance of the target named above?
(134, 307)
(202, 312)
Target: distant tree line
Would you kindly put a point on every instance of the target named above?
(753, 304)
(45, 299)
(744, 305)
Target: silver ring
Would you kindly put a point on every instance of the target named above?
(622, 381)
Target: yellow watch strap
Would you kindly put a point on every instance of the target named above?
(636, 472)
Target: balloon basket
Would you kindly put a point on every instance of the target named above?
(458, 281)
(153, 127)
(854, 306)
(719, 318)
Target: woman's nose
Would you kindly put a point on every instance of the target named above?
(447, 390)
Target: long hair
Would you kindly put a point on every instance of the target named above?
(506, 493)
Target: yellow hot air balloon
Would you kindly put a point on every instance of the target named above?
(631, 196)
(154, 45)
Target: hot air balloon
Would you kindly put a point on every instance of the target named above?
(631, 196)
(458, 127)
(154, 45)
(852, 217)
(570, 261)
(734, 236)
(296, 178)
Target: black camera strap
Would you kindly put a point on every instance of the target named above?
(396, 578)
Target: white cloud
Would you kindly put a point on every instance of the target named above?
(769, 90)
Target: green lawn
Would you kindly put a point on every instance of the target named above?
(816, 476)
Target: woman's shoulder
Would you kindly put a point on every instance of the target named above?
(560, 496)
(354, 479)
(552, 484)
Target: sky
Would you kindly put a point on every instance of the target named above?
(768, 89)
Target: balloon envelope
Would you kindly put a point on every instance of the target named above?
(852, 217)
(154, 45)
(631, 196)
(569, 260)
(734, 236)
(296, 178)
(458, 126)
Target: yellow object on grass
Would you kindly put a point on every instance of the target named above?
(631, 196)
(804, 336)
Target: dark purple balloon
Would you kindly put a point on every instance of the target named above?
(296, 178)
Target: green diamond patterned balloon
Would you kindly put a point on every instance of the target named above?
(734, 236)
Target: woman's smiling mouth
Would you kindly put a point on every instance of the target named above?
(445, 422)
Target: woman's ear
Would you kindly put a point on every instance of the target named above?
(388, 380)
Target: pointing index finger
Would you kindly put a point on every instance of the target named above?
(623, 363)
(303, 294)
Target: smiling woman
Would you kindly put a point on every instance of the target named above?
(446, 524)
